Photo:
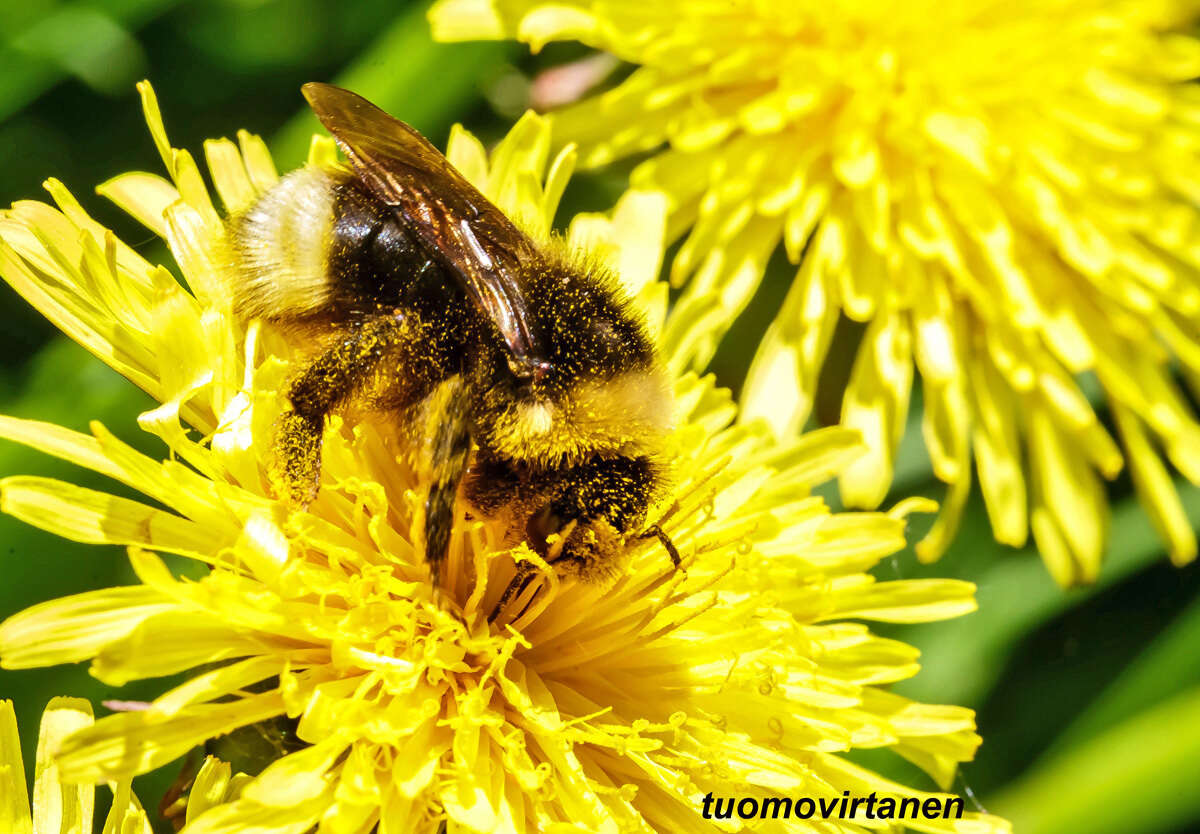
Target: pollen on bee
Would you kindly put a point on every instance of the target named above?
(536, 418)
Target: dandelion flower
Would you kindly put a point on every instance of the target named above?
(60, 807)
(1004, 193)
(594, 709)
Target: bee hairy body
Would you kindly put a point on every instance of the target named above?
(319, 256)
(536, 385)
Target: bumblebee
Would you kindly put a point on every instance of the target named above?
(516, 369)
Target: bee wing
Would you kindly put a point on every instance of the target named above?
(471, 237)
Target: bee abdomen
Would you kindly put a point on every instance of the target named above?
(281, 247)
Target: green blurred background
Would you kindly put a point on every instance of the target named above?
(1088, 701)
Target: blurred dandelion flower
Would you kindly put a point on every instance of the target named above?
(59, 807)
(1004, 192)
(592, 709)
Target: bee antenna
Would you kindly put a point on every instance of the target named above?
(655, 531)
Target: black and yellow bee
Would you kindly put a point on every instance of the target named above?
(513, 362)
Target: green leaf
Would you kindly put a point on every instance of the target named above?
(1170, 664)
(91, 41)
(400, 73)
(962, 659)
(1139, 776)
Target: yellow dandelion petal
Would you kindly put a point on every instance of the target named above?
(74, 628)
(67, 807)
(215, 784)
(57, 806)
(14, 808)
(582, 707)
(133, 742)
(1006, 194)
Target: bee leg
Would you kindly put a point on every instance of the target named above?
(321, 387)
(297, 463)
(520, 581)
(655, 531)
(448, 442)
